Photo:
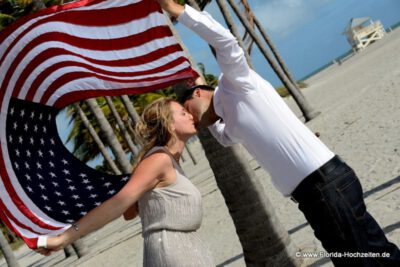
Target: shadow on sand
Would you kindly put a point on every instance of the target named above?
(387, 229)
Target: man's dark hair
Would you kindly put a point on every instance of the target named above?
(188, 94)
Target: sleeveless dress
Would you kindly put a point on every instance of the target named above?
(170, 217)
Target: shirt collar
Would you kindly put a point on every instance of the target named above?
(217, 103)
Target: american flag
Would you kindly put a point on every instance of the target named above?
(51, 59)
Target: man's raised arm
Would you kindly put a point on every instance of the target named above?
(230, 56)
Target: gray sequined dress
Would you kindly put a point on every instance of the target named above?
(170, 217)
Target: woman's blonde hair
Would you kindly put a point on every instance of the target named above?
(155, 127)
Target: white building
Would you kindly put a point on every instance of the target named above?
(361, 32)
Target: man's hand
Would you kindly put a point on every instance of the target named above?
(174, 9)
(131, 212)
(43, 251)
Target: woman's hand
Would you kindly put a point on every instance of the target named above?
(55, 243)
(51, 244)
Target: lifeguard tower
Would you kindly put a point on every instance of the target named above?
(361, 32)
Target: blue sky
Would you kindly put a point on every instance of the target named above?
(307, 33)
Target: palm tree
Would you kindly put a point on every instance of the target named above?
(232, 27)
(97, 139)
(84, 146)
(304, 106)
(243, 193)
(254, 21)
(109, 135)
(263, 239)
(130, 109)
(121, 126)
(7, 251)
(250, 17)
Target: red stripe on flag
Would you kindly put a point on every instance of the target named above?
(105, 45)
(109, 17)
(31, 242)
(75, 96)
(44, 12)
(16, 221)
(71, 76)
(144, 8)
(92, 71)
(47, 54)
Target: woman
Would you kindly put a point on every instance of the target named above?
(169, 204)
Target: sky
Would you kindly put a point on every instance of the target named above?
(306, 33)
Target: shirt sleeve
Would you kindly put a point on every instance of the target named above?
(218, 131)
(230, 55)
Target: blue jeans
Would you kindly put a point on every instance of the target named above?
(332, 201)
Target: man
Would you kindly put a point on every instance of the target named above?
(246, 109)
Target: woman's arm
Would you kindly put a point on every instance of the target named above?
(146, 176)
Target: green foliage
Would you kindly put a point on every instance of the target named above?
(11, 10)
(302, 84)
(202, 3)
(5, 20)
(84, 146)
(211, 79)
(140, 101)
(283, 92)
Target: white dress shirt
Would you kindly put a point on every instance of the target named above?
(252, 112)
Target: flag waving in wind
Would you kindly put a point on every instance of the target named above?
(56, 57)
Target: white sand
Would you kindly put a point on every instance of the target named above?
(360, 121)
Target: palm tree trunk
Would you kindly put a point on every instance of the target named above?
(194, 4)
(109, 136)
(7, 251)
(247, 40)
(264, 241)
(133, 115)
(131, 109)
(274, 51)
(304, 106)
(97, 139)
(232, 27)
(39, 4)
(121, 125)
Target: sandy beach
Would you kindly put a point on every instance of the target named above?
(359, 120)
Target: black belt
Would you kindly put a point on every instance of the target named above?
(318, 176)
